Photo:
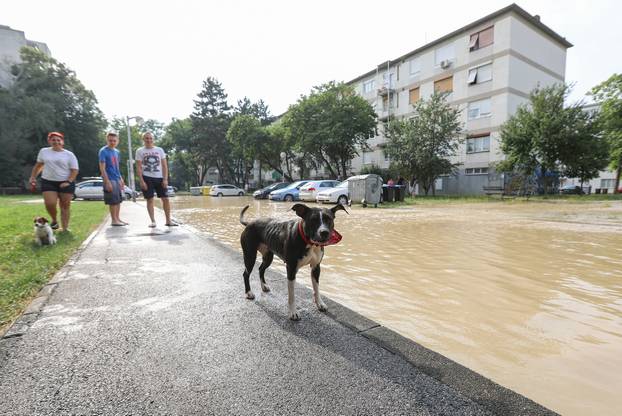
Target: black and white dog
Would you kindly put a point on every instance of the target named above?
(296, 242)
(43, 232)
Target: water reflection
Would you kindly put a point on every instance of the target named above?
(528, 294)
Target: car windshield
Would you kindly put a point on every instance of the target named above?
(295, 185)
(343, 184)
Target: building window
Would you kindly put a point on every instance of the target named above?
(414, 67)
(390, 82)
(444, 53)
(479, 109)
(480, 74)
(481, 39)
(444, 85)
(413, 95)
(476, 171)
(478, 144)
(368, 86)
(607, 183)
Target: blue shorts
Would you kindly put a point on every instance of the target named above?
(116, 196)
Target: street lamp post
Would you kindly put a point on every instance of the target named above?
(139, 120)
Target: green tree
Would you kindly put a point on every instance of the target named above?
(331, 124)
(547, 136)
(608, 95)
(46, 96)
(187, 168)
(422, 145)
(210, 122)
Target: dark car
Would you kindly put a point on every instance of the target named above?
(571, 190)
(264, 192)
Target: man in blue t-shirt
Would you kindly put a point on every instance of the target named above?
(109, 159)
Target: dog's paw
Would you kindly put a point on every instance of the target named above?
(250, 295)
(321, 306)
(294, 316)
(265, 288)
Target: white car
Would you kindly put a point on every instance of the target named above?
(309, 191)
(339, 194)
(94, 189)
(226, 190)
(170, 191)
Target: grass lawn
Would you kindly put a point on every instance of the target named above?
(26, 267)
(419, 200)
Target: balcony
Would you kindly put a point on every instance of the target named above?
(385, 91)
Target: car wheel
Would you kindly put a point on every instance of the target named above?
(219, 194)
(343, 200)
(241, 194)
(288, 198)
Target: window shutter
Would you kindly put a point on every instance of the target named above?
(413, 95)
(444, 85)
(486, 37)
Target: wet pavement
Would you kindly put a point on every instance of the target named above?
(154, 321)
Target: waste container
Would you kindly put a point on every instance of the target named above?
(399, 193)
(365, 189)
(388, 193)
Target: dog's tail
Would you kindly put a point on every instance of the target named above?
(242, 215)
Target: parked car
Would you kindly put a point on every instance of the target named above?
(226, 190)
(309, 191)
(571, 190)
(289, 193)
(94, 189)
(339, 194)
(263, 193)
(170, 190)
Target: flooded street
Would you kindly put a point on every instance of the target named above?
(527, 294)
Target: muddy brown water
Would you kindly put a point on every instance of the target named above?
(527, 294)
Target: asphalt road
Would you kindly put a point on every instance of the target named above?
(149, 321)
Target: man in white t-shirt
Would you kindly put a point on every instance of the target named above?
(153, 173)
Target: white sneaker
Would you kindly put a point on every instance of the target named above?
(152, 225)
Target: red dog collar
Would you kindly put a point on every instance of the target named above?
(335, 237)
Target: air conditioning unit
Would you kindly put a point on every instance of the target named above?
(445, 64)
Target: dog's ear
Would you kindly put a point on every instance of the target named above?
(35, 220)
(301, 210)
(337, 208)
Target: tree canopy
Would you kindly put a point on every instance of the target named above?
(608, 95)
(331, 125)
(46, 96)
(548, 136)
(423, 144)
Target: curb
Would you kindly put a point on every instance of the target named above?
(34, 308)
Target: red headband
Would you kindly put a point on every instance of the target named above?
(57, 134)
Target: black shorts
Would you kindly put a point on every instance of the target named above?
(54, 186)
(154, 184)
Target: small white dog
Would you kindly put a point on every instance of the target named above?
(43, 232)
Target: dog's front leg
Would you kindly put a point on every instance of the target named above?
(315, 281)
(291, 295)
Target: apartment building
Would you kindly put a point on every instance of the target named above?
(489, 67)
(11, 41)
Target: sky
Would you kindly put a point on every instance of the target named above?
(150, 58)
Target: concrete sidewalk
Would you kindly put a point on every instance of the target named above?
(154, 321)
